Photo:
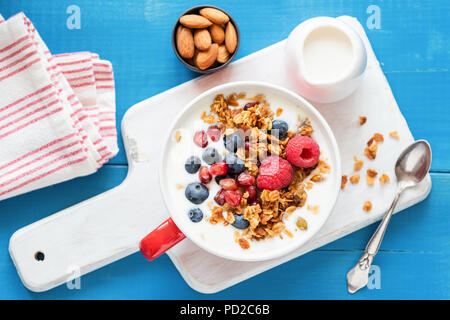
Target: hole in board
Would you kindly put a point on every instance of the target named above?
(39, 256)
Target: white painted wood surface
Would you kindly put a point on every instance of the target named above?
(109, 227)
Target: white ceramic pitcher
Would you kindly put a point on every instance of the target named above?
(330, 72)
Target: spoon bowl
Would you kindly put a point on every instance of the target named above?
(413, 164)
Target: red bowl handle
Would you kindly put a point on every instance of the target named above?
(164, 237)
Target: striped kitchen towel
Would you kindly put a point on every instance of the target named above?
(57, 112)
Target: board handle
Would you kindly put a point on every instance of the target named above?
(82, 238)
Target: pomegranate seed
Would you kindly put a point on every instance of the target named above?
(220, 197)
(249, 105)
(219, 168)
(201, 139)
(254, 203)
(228, 184)
(214, 133)
(204, 175)
(245, 179)
(251, 192)
(233, 198)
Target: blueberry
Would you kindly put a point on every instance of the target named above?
(195, 214)
(240, 222)
(196, 192)
(279, 128)
(211, 156)
(192, 164)
(235, 164)
(233, 141)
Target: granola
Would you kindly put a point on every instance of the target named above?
(370, 178)
(302, 224)
(394, 134)
(367, 206)
(343, 181)
(358, 164)
(264, 216)
(384, 178)
(177, 136)
(354, 179)
(372, 146)
(362, 120)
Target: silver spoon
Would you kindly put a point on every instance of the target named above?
(411, 167)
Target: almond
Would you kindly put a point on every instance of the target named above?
(222, 55)
(214, 15)
(230, 37)
(202, 39)
(185, 42)
(204, 59)
(195, 21)
(217, 33)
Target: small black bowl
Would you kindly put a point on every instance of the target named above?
(195, 10)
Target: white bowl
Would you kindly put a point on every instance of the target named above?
(175, 204)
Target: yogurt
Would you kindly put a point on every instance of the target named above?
(220, 237)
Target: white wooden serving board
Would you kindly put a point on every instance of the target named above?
(109, 226)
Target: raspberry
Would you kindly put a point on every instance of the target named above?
(204, 175)
(302, 151)
(228, 184)
(244, 179)
(214, 133)
(219, 168)
(274, 173)
(233, 198)
(201, 139)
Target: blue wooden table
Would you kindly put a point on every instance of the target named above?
(411, 40)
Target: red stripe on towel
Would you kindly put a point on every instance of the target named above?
(12, 45)
(107, 128)
(105, 87)
(20, 69)
(25, 57)
(43, 89)
(78, 70)
(45, 174)
(79, 78)
(73, 62)
(42, 166)
(29, 105)
(40, 158)
(16, 52)
(31, 122)
(109, 135)
(102, 149)
(102, 72)
(98, 64)
(29, 114)
(42, 148)
(83, 84)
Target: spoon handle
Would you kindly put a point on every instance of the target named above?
(375, 242)
(357, 277)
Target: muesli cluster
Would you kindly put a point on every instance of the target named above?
(265, 173)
